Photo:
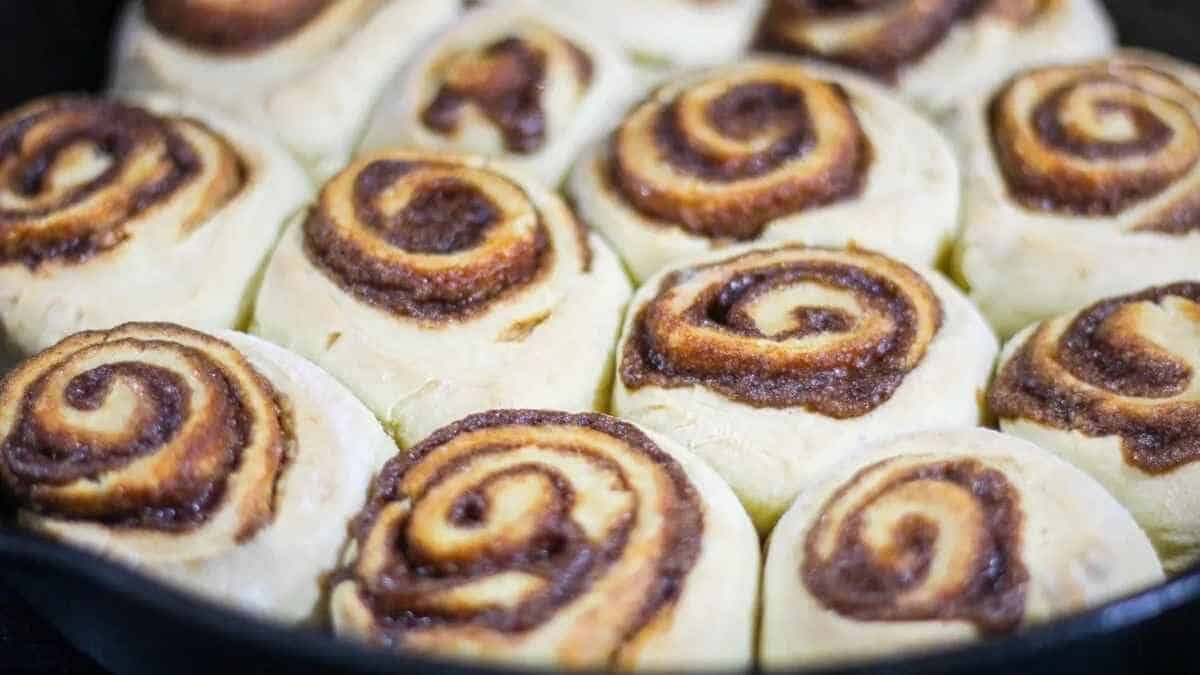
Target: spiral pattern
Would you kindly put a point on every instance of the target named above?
(746, 145)
(1098, 139)
(919, 539)
(879, 37)
(506, 82)
(76, 173)
(428, 237)
(833, 331)
(1110, 370)
(233, 25)
(149, 426)
(505, 520)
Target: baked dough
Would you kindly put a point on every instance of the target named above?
(437, 285)
(1081, 206)
(149, 209)
(556, 539)
(308, 71)
(1112, 389)
(221, 464)
(514, 80)
(769, 150)
(773, 363)
(937, 53)
(938, 538)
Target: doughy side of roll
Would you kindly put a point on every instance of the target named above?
(308, 71)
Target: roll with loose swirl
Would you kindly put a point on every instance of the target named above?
(151, 208)
(198, 459)
(661, 34)
(772, 363)
(941, 537)
(1112, 389)
(512, 80)
(409, 257)
(769, 150)
(571, 540)
(308, 70)
(1083, 184)
(937, 52)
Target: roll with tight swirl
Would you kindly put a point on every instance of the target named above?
(1112, 388)
(1082, 183)
(769, 151)
(773, 363)
(937, 53)
(515, 81)
(661, 34)
(437, 285)
(152, 208)
(555, 539)
(219, 463)
(308, 71)
(938, 538)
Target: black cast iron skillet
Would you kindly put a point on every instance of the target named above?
(134, 626)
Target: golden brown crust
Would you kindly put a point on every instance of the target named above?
(141, 426)
(504, 80)
(432, 239)
(75, 171)
(1098, 139)
(958, 512)
(232, 25)
(879, 37)
(840, 361)
(1099, 376)
(441, 523)
(738, 149)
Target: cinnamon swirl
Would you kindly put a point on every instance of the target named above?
(938, 52)
(942, 537)
(1112, 389)
(153, 208)
(769, 150)
(222, 464)
(307, 70)
(512, 80)
(772, 363)
(1082, 184)
(572, 540)
(438, 285)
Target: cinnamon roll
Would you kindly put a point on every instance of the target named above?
(514, 81)
(1082, 184)
(773, 363)
(307, 70)
(569, 540)
(437, 285)
(938, 538)
(1111, 389)
(938, 52)
(152, 208)
(769, 150)
(665, 33)
(219, 463)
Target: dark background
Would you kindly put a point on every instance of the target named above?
(62, 45)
